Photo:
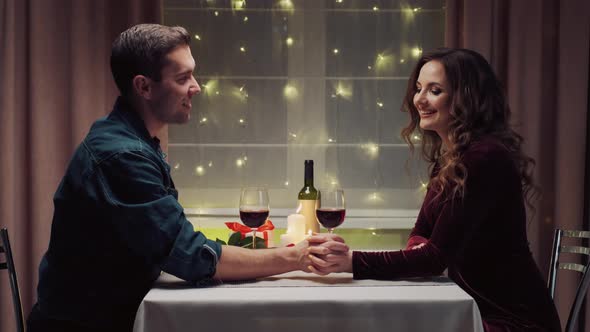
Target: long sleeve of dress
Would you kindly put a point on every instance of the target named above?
(481, 239)
(447, 224)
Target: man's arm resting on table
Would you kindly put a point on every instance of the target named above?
(239, 263)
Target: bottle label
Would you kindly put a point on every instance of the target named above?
(307, 209)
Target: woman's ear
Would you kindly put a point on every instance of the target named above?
(142, 86)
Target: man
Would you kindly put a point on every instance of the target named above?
(117, 222)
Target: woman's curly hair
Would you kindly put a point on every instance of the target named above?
(478, 108)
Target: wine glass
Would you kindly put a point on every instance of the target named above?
(330, 208)
(254, 209)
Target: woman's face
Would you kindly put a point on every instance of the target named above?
(433, 99)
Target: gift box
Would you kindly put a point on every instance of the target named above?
(267, 236)
(264, 232)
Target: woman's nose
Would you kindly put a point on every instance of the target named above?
(420, 100)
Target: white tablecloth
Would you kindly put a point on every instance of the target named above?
(302, 302)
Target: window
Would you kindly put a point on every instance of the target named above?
(286, 80)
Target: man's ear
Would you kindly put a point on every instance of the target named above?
(142, 86)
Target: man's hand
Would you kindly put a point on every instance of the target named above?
(328, 253)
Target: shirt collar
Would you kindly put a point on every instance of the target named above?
(126, 112)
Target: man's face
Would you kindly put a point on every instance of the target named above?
(171, 96)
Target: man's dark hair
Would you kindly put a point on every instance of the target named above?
(141, 50)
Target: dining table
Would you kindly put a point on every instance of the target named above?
(299, 301)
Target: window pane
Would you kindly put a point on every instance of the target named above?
(286, 80)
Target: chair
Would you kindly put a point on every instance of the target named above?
(8, 264)
(557, 264)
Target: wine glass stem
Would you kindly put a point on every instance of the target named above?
(253, 238)
(330, 230)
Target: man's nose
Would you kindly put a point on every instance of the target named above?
(194, 88)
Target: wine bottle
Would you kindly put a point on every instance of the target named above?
(308, 196)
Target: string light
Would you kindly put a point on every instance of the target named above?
(416, 52)
(383, 61)
(343, 90)
(374, 197)
(374, 148)
(200, 170)
(422, 188)
(238, 4)
(415, 139)
(286, 5)
(408, 14)
(371, 149)
(290, 92)
(240, 93)
(211, 87)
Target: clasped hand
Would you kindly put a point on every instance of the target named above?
(328, 253)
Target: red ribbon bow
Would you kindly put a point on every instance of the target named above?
(238, 227)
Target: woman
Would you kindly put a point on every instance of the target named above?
(472, 221)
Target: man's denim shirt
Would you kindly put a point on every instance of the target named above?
(117, 224)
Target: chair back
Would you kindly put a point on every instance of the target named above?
(557, 264)
(7, 263)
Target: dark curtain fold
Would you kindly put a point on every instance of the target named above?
(55, 81)
(540, 51)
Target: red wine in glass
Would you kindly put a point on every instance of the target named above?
(254, 208)
(330, 218)
(330, 208)
(253, 219)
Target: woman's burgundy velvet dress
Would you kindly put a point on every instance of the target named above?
(481, 240)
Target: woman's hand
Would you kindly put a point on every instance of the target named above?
(328, 253)
(319, 245)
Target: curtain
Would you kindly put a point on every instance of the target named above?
(540, 51)
(55, 81)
